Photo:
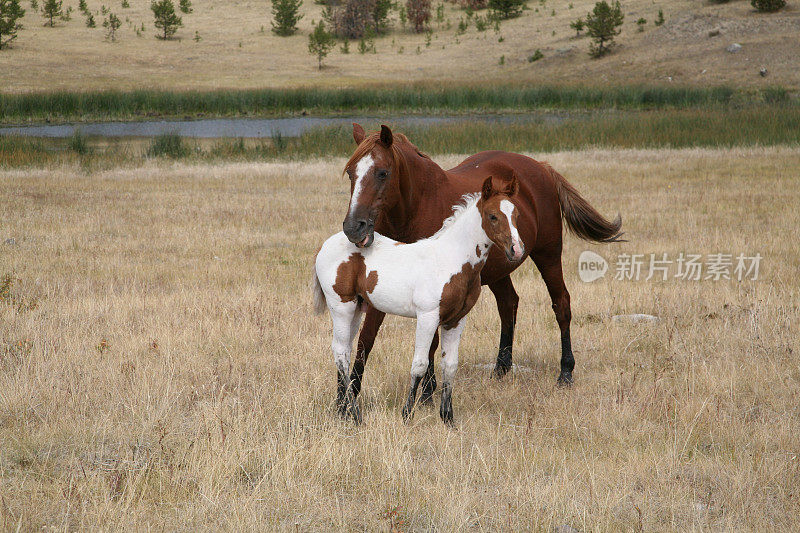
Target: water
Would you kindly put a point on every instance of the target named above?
(252, 128)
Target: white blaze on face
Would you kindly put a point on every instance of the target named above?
(362, 167)
(508, 209)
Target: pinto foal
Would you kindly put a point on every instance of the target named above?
(435, 280)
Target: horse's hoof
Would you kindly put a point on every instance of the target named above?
(355, 412)
(565, 379)
(407, 411)
(447, 417)
(501, 370)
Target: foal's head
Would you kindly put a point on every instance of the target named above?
(499, 217)
(374, 182)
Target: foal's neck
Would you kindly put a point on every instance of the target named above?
(465, 231)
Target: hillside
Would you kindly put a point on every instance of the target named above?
(236, 49)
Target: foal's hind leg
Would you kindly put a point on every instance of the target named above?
(343, 317)
(550, 268)
(450, 340)
(507, 301)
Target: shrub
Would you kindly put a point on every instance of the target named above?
(641, 23)
(660, 18)
(578, 26)
(419, 13)
(185, 6)
(78, 144)
(537, 55)
(352, 19)
(82, 6)
(112, 24)
(285, 16)
(10, 13)
(602, 25)
(169, 145)
(320, 42)
(768, 6)
(52, 9)
(90, 23)
(165, 18)
(506, 9)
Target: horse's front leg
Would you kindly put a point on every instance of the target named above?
(450, 341)
(427, 325)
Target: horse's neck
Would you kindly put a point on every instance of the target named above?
(420, 193)
(464, 233)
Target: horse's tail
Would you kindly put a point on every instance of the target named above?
(581, 218)
(319, 296)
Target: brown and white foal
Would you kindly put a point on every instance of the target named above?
(435, 280)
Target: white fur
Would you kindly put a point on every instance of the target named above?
(507, 207)
(362, 167)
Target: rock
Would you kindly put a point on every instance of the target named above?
(763, 72)
(733, 48)
(635, 318)
(714, 32)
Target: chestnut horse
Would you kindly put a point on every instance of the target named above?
(435, 280)
(401, 193)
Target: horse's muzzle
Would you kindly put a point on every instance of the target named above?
(360, 232)
(515, 252)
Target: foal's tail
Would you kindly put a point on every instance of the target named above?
(581, 218)
(319, 296)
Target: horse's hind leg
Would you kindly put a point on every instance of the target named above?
(429, 379)
(450, 340)
(550, 268)
(427, 324)
(342, 344)
(507, 301)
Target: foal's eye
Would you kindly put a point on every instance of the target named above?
(381, 174)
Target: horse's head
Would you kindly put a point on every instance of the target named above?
(374, 183)
(499, 217)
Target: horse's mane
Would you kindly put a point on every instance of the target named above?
(467, 201)
(372, 139)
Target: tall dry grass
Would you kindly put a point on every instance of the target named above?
(160, 367)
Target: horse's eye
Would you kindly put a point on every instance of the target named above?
(493, 218)
(381, 174)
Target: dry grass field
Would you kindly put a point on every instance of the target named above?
(160, 367)
(238, 50)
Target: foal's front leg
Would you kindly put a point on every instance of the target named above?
(450, 341)
(427, 324)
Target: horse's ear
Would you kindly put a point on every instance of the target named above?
(386, 136)
(486, 189)
(358, 133)
(512, 186)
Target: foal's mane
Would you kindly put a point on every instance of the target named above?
(369, 142)
(467, 201)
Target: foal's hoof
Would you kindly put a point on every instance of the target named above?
(564, 379)
(428, 388)
(407, 412)
(447, 417)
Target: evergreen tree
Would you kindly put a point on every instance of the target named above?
(52, 9)
(286, 15)
(577, 25)
(320, 42)
(112, 24)
(10, 13)
(603, 24)
(768, 6)
(185, 6)
(506, 9)
(82, 6)
(165, 18)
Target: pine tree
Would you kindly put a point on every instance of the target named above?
(165, 18)
(52, 9)
(82, 6)
(320, 42)
(10, 13)
(285, 15)
(112, 24)
(185, 6)
(602, 25)
(506, 9)
(577, 26)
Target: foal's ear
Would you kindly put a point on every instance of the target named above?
(358, 133)
(511, 186)
(486, 189)
(386, 136)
